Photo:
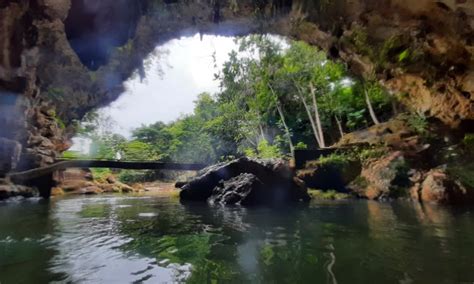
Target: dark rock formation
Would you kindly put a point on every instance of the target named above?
(180, 184)
(244, 189)
(245, 181)
(330, 176)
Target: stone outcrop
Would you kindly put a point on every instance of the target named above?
(10, 151)
(8, 190)
(382, 178)
(247, 182)
(395, 133)
(81, 181)
(437, 186)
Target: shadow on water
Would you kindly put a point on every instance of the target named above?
(27, 229)
(145, 239)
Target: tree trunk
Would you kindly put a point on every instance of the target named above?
(283, 120)
(287, 130)
(394, 108)
(311, 120)
(262, 133)
(339, 126)
(316, 116)
(371, 110)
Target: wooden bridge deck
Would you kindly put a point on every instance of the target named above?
(129, 165)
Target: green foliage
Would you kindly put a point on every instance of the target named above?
(133, 176)
(136, 150)
(335, 159)
(418, 122)
(267, 92)
(100, 174)
(264, 151)
(360, 39)
(71, 155)
(56, 94)
(301, 146)
(361, 182)
(468, 141)
(249, 152)
(367, 154)
(58, 120)
(404, 55)
(464, 173)
(268, 151)
(327, 195)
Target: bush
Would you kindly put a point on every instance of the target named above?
(264, 151)
(468, 141)
(327, 195)
(301, 146)
(134, 176)
(100, 174)
(370, 153)
(418, 122)
(335, 159)
(71, 155)
(268, 151)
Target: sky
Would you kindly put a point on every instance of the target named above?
(187, 69)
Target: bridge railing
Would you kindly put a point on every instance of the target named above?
(114, 164)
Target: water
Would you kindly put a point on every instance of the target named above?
(143, 239)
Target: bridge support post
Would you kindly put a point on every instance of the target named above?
(44, 184)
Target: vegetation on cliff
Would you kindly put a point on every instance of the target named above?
(274, 97)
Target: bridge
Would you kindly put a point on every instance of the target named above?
(42, 178)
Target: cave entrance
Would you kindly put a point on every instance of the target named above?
(157, 101)
(206, 99)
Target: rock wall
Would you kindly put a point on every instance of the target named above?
(422, 51)
(31, 133)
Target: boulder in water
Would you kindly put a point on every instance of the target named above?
(247, 182)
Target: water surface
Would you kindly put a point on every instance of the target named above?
(149, 239)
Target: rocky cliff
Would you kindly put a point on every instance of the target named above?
(62, 58)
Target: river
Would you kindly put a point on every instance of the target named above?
(155, 239)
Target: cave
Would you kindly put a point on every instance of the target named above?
(346, 158)
(77, 54)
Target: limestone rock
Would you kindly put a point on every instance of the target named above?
(111, 179)
(9, 155)
(390, 133)
(108, 188)
(93, 189)
(124, 187)
(437, 186)
(74, 180)
(383, 177)
(57, 191)
(12, 190)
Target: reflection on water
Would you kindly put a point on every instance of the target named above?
(126, 239)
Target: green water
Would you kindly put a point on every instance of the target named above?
(126, 239)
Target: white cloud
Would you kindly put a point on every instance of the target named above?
(188, 70)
